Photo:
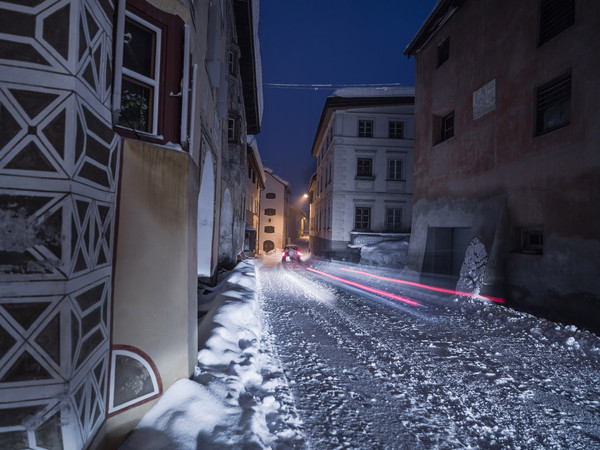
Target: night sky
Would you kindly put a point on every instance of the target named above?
(325, 42)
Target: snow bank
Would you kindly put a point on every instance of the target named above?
(235, 385)
(387, 253)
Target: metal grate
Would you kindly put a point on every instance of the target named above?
(555, 17)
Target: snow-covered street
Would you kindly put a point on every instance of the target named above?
(312, 362)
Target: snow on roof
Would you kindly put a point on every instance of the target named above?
(381, 91)
(281, 180)
(253, 143)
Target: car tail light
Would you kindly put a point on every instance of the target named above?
(283, 254)
(299, 253)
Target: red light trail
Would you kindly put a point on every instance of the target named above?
(367, 288)
(431, 288)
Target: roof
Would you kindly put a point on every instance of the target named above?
(362, 98)
(253, 150)
(436, 19)
(244, 23)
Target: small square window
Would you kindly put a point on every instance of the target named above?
(269, 229)
(364, 167)
(365, 128)
(443, 52)
(553, 104)
(447, 123)
(396, 130)
(270, 195)
(532, 240)
(270, 211)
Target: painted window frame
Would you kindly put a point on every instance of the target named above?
(396, 225)
(365, 128)
(361, 167)
(360, 212)
(396, 129)
(395, 173)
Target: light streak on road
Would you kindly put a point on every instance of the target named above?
(424, 286)
(367, 288)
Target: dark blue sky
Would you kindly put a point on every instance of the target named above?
(322, 42)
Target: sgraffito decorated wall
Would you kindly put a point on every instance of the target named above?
(59, 160)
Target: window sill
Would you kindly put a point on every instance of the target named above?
(364, 178)
(136, 134)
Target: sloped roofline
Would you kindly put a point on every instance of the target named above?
(332, 104)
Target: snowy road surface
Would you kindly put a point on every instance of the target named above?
(369, 372)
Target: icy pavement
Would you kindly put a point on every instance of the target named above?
(293, 360)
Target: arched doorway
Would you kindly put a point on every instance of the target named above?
(226, 230)
(268, 246)
(206, 207)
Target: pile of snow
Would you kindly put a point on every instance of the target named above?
(236, 397)
(387, 253)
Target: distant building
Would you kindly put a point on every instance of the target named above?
(274, 212)
(363, 184)
(255, 183)
(507, 166)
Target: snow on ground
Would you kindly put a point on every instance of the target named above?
(238, 395)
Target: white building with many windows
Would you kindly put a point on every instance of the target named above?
(274, 201)
(363, 185)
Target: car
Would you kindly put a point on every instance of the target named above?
(291, 254)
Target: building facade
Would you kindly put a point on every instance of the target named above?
(255, 183)
(113, 143)
(506, 160)
(273, 213)
(363, 184)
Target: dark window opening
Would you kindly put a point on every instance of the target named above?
(394, 169)
(269, 229)
(270, 195)
(447, 126)
(270, 211)
(443, 52)
(555, 17)
(532, 241)
(553, 104)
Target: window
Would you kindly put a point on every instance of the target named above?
(253, 177)
(553, 104)
(232, 63)
(364, 167)
(140, 75)
(396, 130)
(394, 169)
(231, 129)
(393, 220)
(555, 17)
(249, 172)
(532, 240)
(269, 229)
(365, 128)
(362, 218)
(443, 52)
(447, 126)
(270, 211)
(270, 195)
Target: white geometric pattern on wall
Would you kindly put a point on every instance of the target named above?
(59, 163)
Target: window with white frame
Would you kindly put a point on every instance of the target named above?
(364, 167)
(231, 129)
(365, 128)
(394, 169)
(393, 220)
(140, 75)
(396, 130)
